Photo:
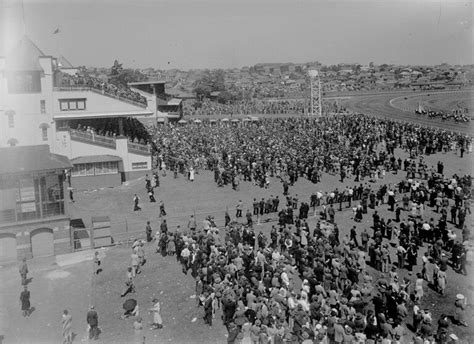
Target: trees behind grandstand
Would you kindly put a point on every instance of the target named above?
(214, 81)
(120, 76)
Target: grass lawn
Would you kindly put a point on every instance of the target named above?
(162, 276)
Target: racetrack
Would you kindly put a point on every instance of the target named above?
(379, 106)
(445, 102)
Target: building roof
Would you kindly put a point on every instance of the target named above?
(80, 115)
(24, 57)
(174, 101)
(179, 93)
(90, 159)
(22, 159)
(146, 82)
(64, 63)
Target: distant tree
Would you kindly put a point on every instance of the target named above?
(225, 97)
(126, 76)
(293, 76)
(116, 68)
(211, 81)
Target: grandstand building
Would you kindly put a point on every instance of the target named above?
(43, 157)
(37, 104)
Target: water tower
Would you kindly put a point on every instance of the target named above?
(315, 101)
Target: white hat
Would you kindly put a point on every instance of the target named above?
(460, 296)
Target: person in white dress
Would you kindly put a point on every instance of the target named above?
(156, 310)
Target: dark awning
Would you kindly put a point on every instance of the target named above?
(23, 159)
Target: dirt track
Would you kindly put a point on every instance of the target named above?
(379, 106)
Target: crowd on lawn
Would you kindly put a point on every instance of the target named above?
(258, 106)
(343, 145)
(76, 80)
(252, 277)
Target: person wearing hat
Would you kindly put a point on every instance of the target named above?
(233, 332)
(459, 311)
(426, 329)
(453, 339)
(25, 301)
(156, 310)
(67, 327)
(138, 337)
(93, 322)
(23, 269)
(348, 336)
(339, 331)
(255, 332)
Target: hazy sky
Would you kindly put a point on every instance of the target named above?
(230, 33)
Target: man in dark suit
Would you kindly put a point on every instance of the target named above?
(93, 322)
(255, 206)
(262, 206)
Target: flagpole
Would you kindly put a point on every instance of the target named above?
(23, 17)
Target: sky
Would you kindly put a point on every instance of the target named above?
(188, 34)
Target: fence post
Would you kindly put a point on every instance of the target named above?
(92, 236)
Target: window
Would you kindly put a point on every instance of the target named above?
(89, 169)
(108, 167)
(139, 165)
(11, 120)
(79, 170)
(95, 169)
(72, 104)
(44, 134)
(43, 106)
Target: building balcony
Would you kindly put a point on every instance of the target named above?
(102, 92)
(95, 139)
(137, 148)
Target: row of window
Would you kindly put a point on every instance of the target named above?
(72, 104)
(139, 165)
(94, 169)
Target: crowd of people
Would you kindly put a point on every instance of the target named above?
(252, 278)
(106, 88)
(132, 128)
(297, 147)
(455, 115)
(259, 106)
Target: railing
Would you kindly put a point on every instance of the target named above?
(102, 92)
(138, 148)
(93, 138)
(44, 210)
